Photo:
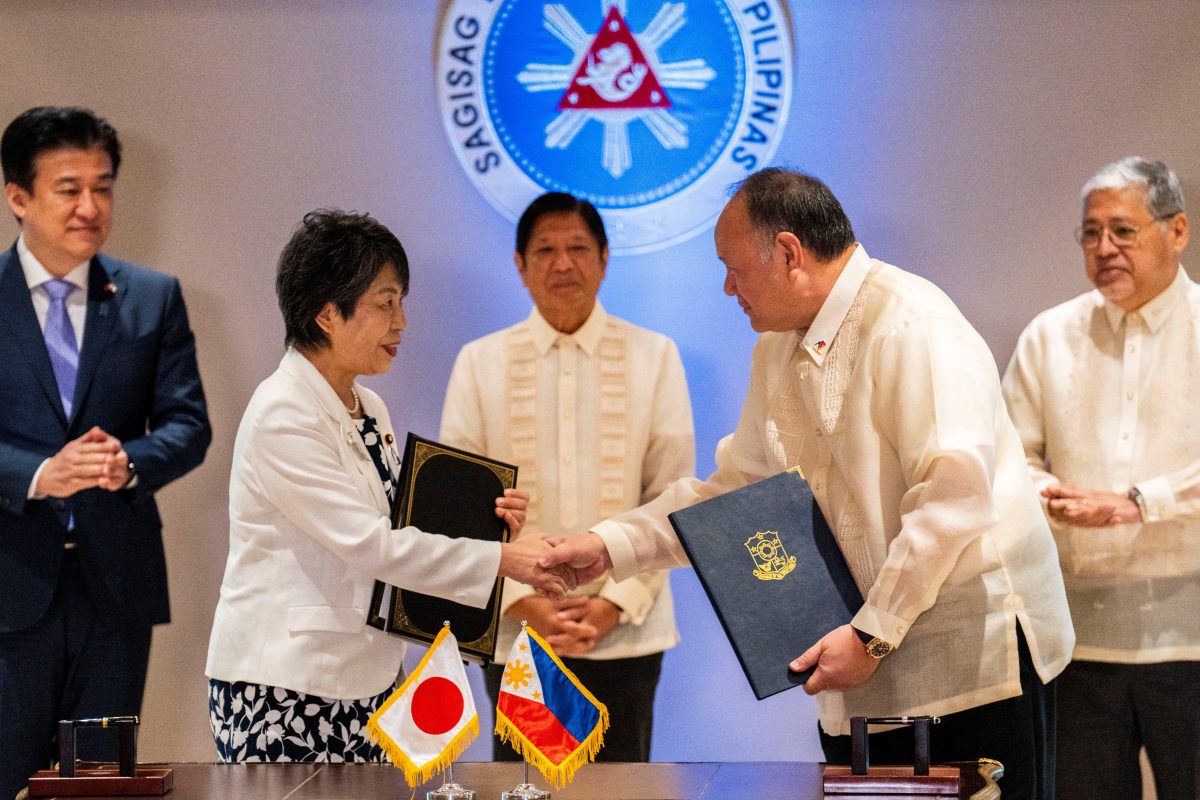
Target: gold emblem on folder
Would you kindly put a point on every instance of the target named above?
(771, 561)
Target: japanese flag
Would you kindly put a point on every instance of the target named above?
(430, 720)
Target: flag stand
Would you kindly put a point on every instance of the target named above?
(423, 749)
(525, 790)
(450, 790)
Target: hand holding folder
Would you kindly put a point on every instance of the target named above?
(774, 572)
(838, 661)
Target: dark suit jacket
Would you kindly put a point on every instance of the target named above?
(138, 381)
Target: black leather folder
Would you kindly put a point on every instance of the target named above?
(445, 490)
(773, 571)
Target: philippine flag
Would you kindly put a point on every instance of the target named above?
(431, 718)
(545, 713)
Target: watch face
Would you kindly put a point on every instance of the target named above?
(878, 648)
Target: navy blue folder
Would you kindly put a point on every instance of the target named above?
(773, 571)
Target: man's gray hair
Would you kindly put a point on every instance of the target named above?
(1164, 195)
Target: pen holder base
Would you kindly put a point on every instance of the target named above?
(102, 782)
(899, 780)
(919, 780)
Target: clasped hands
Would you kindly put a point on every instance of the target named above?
(94, 460)
(1087, 508)
(572, 626)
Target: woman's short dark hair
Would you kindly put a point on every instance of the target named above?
(333, 257)
(46, 128)
(787, 200)
(556, 202)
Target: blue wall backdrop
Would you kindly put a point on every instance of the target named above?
(956, 134)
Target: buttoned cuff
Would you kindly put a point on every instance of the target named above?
(1159, 497)
(631, 597)
(620, 548)
(877, 622)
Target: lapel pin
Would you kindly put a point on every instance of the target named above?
(389, 439)
(820, 346)
(110, 289)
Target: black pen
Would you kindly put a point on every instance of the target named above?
(104, 722)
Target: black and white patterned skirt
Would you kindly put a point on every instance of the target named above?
(253, 722)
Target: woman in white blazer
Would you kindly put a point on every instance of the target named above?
(294, 671)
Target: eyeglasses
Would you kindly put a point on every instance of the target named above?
(1122, 234)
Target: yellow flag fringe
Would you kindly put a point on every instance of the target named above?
(415, 775)
(558, 775)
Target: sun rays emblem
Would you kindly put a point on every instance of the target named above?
(617, 79)
(649, 109)
(517, 675)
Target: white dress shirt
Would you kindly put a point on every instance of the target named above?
(597, 422)
(1108, 400)
(36, 276)
(890, 405)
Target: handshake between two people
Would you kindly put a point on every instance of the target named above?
(556, 565)
(551, 565)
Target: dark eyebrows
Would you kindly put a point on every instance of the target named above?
(74, 180)
(573, 240)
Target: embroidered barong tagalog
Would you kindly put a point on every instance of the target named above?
(612, 450)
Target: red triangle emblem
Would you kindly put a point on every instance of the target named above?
(614, 73)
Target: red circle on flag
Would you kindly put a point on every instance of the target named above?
(437, 705)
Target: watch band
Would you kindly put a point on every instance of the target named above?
(1135, 494)
(876, 648)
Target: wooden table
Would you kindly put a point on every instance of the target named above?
(771, 780)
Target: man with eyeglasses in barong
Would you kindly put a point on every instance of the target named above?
(1104, 390)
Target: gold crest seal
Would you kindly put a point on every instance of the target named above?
(771, 561)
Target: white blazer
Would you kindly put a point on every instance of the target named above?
(309, 532)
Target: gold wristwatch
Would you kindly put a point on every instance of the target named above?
(1135, 494)
(876, 648)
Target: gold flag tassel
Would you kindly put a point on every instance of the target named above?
(416, 775)
(557, 775)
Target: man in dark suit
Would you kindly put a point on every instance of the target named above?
(100, 406)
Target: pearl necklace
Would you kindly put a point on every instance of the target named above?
(357, 403)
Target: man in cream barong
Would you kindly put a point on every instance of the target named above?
(1103, 389)
(594, 412)
(870, 380)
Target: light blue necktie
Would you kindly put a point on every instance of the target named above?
(60, 340)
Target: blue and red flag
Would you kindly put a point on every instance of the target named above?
(545, 713)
